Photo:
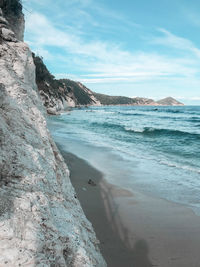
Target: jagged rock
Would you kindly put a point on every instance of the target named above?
(41, 222)
(8, 35)
(52, 111)
(3, 20)
(12, 12)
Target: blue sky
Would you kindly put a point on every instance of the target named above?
(147, 48)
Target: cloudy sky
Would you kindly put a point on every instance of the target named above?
(147, 48)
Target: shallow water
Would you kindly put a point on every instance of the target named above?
(153, 149)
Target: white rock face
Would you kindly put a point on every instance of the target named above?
(55, 105)
(8, 35)
(41, 221)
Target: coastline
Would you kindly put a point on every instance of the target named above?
(134, 229)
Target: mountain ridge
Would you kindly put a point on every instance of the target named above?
(136, 101)
(169, 101)
(58, 95)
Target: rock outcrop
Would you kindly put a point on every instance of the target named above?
(59, 95)
(41, 220)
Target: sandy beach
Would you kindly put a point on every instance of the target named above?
(134, 229)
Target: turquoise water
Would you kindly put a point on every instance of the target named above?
(153, 149)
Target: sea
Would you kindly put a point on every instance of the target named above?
(155, 150)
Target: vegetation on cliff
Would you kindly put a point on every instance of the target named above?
(63, 93)
(81, 93)
(123, 100)
(13, 19)
(114, 100)
(11, 6)
(60, 94)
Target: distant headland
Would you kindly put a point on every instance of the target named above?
(58, 95)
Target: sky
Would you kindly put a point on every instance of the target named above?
(146, 48)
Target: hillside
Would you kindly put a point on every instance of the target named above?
(81, 94)
(113, 100)
(137, 101)
(58, 95)
(169, 101)
(122, 100)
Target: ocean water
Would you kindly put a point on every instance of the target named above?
(152, 149)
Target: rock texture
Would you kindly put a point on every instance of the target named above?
(59, 95)
(41, 221)
(13, 11)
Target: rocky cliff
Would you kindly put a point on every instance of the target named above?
(41, 221)
(12, 10)
(58, 95)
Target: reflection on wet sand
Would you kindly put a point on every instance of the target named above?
(118, 245)
(138, 250)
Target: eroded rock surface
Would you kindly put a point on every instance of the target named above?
(41, 221)
(12, 11)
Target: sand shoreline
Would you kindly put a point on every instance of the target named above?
(135, 229)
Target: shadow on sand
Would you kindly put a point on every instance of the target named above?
(117, 244)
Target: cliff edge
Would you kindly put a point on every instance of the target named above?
(59, 95)
(41, 220)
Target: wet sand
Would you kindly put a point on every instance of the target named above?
(135, 230)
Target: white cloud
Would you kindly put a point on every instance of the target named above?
(127, 74)
(107, 62)
(43, 33)
(191, 98)
(176, 42)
